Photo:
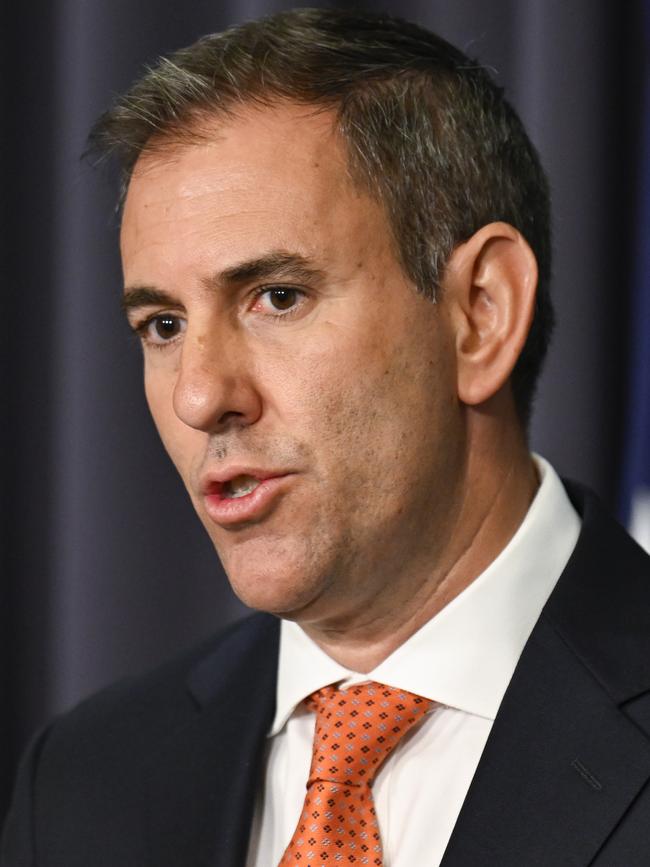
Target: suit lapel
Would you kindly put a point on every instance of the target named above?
(561, 766)
(202, 784)
(564, 761)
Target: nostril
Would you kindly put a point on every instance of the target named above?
(231, 415)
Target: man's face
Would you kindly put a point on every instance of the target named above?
(304, 390)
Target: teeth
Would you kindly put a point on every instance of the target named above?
(240, 486)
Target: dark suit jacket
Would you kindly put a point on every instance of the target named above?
(161, 771)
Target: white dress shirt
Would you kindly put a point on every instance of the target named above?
(463, 658)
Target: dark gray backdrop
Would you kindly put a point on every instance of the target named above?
(107, 570)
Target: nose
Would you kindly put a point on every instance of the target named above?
(215, 387)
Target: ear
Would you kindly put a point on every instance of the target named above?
(489, 291)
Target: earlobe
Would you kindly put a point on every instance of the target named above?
(490, 286)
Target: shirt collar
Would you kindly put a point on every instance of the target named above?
(465, 656)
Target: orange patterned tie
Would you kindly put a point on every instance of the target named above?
(356, 729)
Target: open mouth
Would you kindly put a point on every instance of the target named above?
(245, 498)
(239, 486)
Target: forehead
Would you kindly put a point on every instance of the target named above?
(275, 177)
(286, 151)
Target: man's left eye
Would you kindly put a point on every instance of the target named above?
(278, 299)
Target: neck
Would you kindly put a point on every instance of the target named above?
(498, 488)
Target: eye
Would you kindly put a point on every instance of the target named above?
(278, 300)
(282, 298)
(162, 329)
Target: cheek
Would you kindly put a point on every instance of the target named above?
(386, 400)
(340, 394)
(175, 436)
(157, 392)
(322, 389)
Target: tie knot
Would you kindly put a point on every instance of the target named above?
(356, 729)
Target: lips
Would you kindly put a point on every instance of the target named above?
(243, 495)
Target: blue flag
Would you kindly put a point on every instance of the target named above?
(636, 467)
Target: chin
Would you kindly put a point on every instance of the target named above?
(275, 576)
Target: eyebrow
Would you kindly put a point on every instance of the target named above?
(276, 265)
(145, 296)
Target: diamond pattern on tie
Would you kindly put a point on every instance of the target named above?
(356, 729)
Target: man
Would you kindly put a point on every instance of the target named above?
(336, 253)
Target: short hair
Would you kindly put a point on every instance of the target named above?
(428, 133)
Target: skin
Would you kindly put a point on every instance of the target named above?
(410, 471)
